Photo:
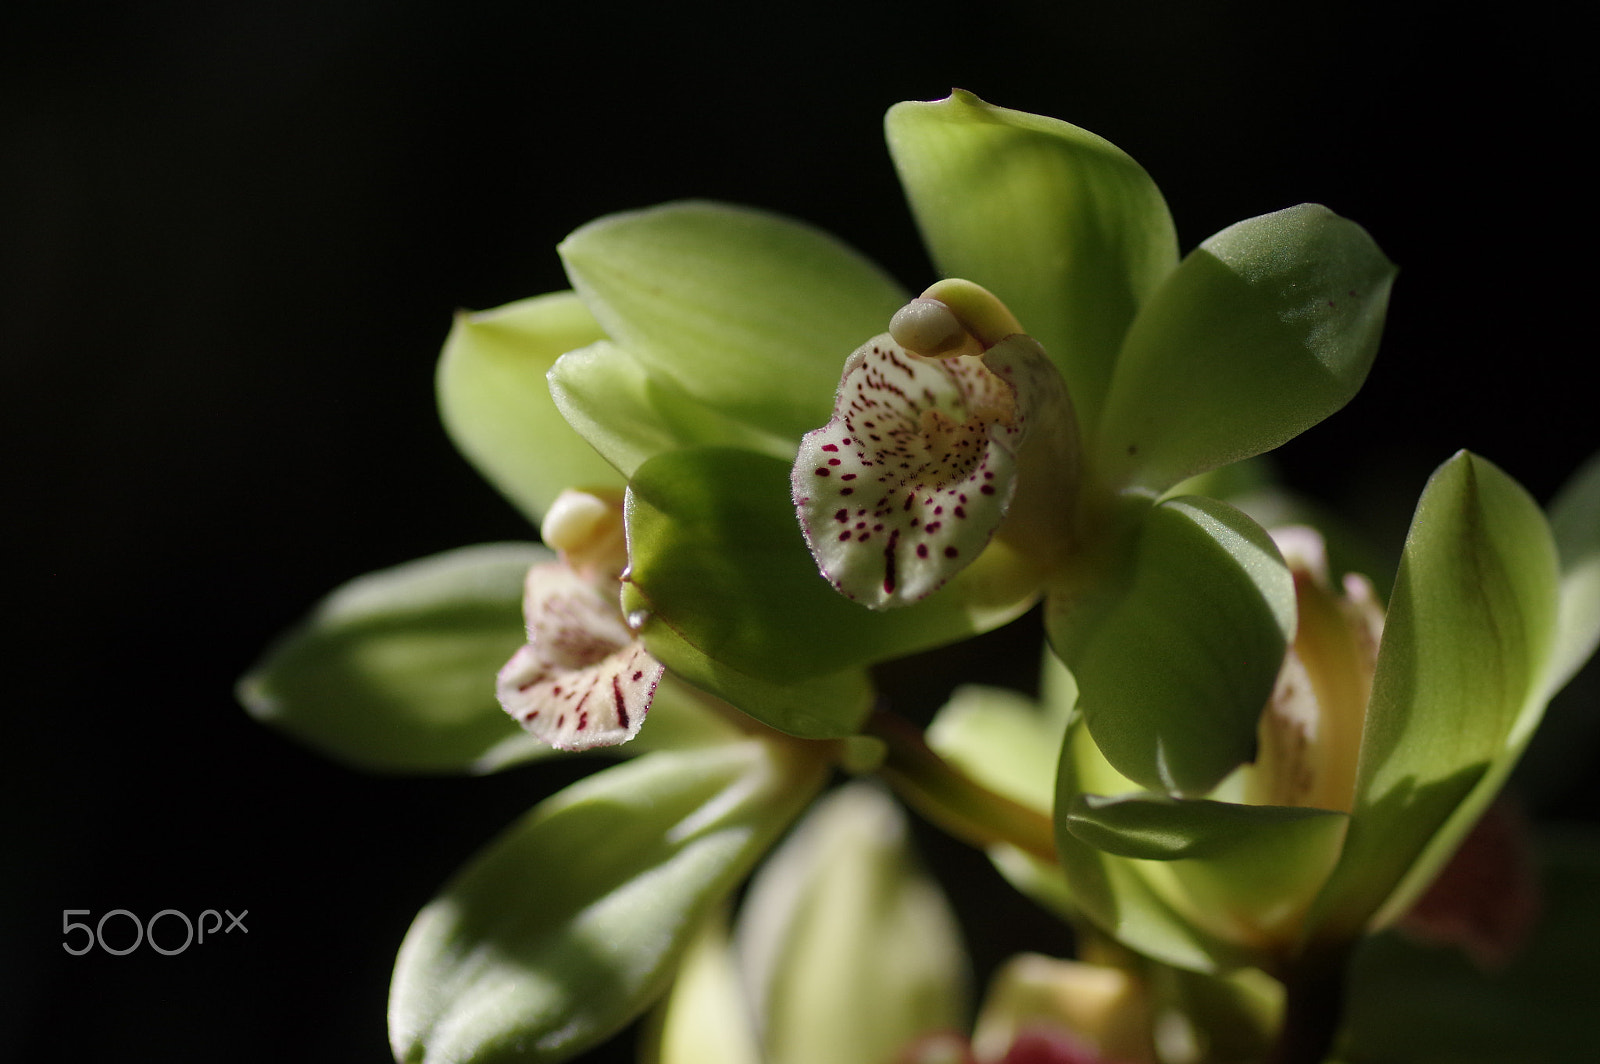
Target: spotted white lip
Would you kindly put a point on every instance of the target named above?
(582, 680)
(909, 480)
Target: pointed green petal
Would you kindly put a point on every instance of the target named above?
(1177, 645)
(849, 949)
(569, 925)
(1245, 872)
(394, 671)
(497, 407)
(1264, 330)
(629, 413)
(705, 1017)
(829, 706)
(1064, 227)
(1460, 685)
(716, 555)
(1575, 521)
(751, 313)
(1115, 892)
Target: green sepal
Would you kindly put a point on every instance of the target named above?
(570, 924)
(1575, 522)
(1064, 227)
(1264, 330)
(1155, 827)
(1460, 685)
(705, 1017)
(1245, 872)
(1003, 740)
(1176, 643)
(849, 949)
(751, 313)
(496, 405)
(629, 413)
(1116, 893)
(830, 706)
(394, 671)
(715, 554)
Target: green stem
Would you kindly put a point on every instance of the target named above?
(953, 800)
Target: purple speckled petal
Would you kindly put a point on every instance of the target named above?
(582, 680)
(912, 476)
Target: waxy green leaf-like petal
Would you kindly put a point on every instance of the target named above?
(751, 313)
(1264, 330)
(1116, 892)
(569, 924)
(630, 413)
(829, 706)
(1177, 645)
(497, 407)
(1461, 682)
(849, 949)
(395, 670)
(716, 555)
(1003, 740)
(1061, 225)
(1245, 872)
(1575, 522)
(705, 1017)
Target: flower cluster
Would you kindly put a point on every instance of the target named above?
(761, 468)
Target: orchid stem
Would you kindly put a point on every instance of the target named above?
(953, 800)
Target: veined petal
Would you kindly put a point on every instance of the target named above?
(1059, 223)
(496, 405)
(917, 469)
(582, 680)
(746, 310)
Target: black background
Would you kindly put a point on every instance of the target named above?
(232, 236)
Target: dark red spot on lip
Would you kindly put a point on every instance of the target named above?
(950, 552)
(833, 461)
(889, 562)
(922, 550)
(841, 515)
(830, 447)
(822, 471)
(933, 526)
(619, 701)
(987, 489)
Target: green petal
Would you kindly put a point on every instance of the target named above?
(497, 407)
(716, 555)
(850, 950)
(1116, 892)
(1003, 740)
(1245, 872)
(830, 706)
(1264, 330)
(1064, 227)
(1460, 685)
(630, 414)
(1176, 646)
(1575, 521)
(751, 313)
(704, 1019)
(569, 925)
(395, 671)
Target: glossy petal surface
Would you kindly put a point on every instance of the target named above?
(496, 404)
(392, 672)
(1060, 224)
(567, 926)
(750, 312)
(1459, 688)
(1176, 648)
(1265, 329)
